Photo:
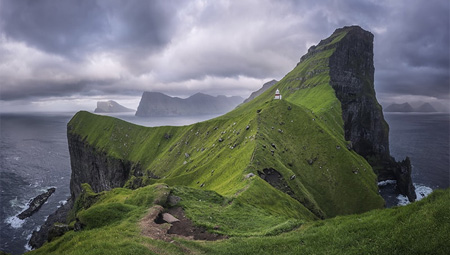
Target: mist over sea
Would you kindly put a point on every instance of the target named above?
(34, 156)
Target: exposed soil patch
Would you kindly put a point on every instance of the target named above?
(154, 226)
(274, 178)
(185, 227)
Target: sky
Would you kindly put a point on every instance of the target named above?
(65, 55)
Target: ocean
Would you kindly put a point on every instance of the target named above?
(34, 156)
(425, 138)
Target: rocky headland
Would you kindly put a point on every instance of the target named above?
(351, 72)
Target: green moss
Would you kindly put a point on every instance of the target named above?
(104, 214)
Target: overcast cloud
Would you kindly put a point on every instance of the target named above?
(68, 51)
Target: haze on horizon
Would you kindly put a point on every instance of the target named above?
(66, 55)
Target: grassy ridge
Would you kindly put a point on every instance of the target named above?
(301, 137)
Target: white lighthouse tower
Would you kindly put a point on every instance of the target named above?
(277, 95)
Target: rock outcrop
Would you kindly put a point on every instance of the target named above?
(36, 203)
(111, 107)
(158, 104)
(39, 237)
(352, 78)
(100, 171)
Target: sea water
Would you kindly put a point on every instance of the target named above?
(424, 138)
(34, 156)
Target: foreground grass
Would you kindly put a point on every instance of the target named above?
(419, 228)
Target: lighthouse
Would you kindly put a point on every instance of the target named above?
(277, 95)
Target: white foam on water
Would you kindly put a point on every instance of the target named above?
(17, 204)
(61, 203)
(384, 183)
(14, 222)
(422, 191)
(27, 245)
(402, 200)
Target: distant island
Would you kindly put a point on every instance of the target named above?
(111, 106)
(406, 107)
(159, 104)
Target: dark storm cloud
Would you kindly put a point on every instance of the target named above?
(412, 57)
(74, 28)
(49, 88)
(61, 27)
(87, 47)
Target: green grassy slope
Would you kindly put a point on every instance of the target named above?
(419, 228)
(306, 127)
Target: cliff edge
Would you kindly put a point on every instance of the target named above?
(351, 72)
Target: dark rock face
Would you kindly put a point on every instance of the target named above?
(159, 104)
(274, 178)
(402, 173)
(265, 87)
(352, 78)
(96, 168)
(36, 203)
(38, 238)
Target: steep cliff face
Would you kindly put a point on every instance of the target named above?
(96, 168)
(352, 78)
(351, 73)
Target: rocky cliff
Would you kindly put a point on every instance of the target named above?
(351, 73)
(159, 104)
(100, 171)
